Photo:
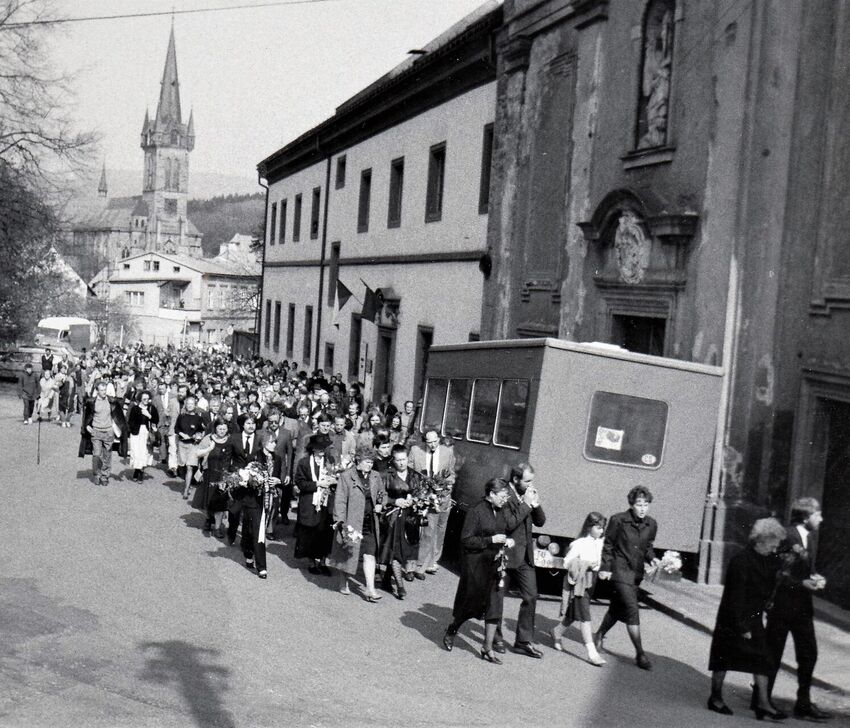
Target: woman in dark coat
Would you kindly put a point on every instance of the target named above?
(315, 481)
(481, 588)
(211, 496)
(738, 643)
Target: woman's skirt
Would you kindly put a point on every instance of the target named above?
(314, 542)
(140, 456)
(401, 539)
(730, 651)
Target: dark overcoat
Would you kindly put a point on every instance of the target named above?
(349, 510)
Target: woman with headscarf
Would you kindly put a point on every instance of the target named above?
(358, 500)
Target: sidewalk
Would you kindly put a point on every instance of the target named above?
(696, 606)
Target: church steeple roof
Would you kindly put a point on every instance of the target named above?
(101, 188)
(168, 108)
(147, 122)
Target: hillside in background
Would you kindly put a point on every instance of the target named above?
(221, 217)
(202, 185)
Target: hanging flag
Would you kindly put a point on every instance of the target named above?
(372, 303)
(340, 299)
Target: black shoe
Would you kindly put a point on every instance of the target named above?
(263, 574)
(325, 570)
(526, 648)
(642, 661)
(315, 569)
(449, 639)
(499, 646)
(249, 565)
(721, 707)
(419, 575)
(761, 714)
(408, 576)
(490, 656)
(811, 712)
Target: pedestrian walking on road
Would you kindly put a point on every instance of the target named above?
(582, 561)
(793, 611)
(738, 643)
(103, 423)
(143, 422)
(28, 391)
(627, 555)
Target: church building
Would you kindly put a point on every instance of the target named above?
(116, 228)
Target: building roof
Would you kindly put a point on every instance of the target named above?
(206, 266)
(116, 213)
(168, 109)
(456, 61)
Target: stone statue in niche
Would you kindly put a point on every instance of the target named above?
(631, 248)
(655, 82)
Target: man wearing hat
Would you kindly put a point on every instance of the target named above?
(28, 390)
(315, 482)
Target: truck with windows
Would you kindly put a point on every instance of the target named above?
(593, 420)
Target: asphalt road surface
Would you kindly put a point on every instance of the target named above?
(116, 611)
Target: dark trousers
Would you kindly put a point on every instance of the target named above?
(233, 523)
(802, 631)
(29, 405)
(525, 579)
(252, 548)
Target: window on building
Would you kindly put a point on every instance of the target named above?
(282, 238)
(211, 297)
(365, 198)
(273, 224)
(486, 164)
(156, 265)
(396, 191)
(171, 207)
(314, 213)
(146, 266)
(656, 66)
(268, 323)
(436, 183)
(290, 332)
(308, 335)
(134, 298)
(333, 273)
(176, 268)
(126, 266)
(354, 346)
(340, 172)
(175, 138)
(277, 314)
(329, 357)
(296, 220)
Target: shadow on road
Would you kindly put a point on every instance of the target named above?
(431, 620)
(195, 673)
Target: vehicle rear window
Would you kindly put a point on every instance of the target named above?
(435, 404)
(457, 409)
(485, 401)
(626, 430)
(513, 406)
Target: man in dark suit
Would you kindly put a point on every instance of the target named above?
(247, 448)
(793, 610)
(282, 461)
(520, 564)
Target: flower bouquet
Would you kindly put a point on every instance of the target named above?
(429, 495)
(350, 534)
(669, 568)
(326, 484)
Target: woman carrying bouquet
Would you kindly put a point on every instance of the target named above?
(481, 588)
(142, 421)
(739, 643)
(581, 562)
(315, 481)
(217, 447)
(358, 501)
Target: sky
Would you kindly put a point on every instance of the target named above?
(256, 78)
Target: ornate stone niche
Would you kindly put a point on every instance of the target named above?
(638, 253)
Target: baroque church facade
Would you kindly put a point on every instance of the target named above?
(115, 228)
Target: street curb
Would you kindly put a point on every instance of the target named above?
(680, 616)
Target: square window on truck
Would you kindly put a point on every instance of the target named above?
(513, 407)
(626, 430)
(457, 408)
(485, 402)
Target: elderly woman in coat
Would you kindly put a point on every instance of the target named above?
(359, 499)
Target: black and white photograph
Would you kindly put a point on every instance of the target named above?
(424, 363)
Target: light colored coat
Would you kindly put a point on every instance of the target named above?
(349, 508)
(444, 461)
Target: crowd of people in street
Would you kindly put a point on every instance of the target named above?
(251, 441)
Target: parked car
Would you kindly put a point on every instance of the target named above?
(12, 362)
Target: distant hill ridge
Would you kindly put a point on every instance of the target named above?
(202, 185)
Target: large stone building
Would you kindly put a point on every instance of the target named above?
(391, 192)
(671, 176)
(109, 229)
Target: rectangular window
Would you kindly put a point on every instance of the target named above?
(277, 313)
(396, 191)
(268, 322)
(171, 207)
(354, 346)
(626, 430)
(147, 266)
(486, 164)
(365, 198)
(308, 335)
(435, 404)
(211, 297)
(340, 172)
(314, 213)
(156, 265)
(134, 298)
(436, 183)
(126, 266)
(513, 406)
(290, 332)
(282, 238)
(329, 358)
(457, 408)
(296, 221)
(485, 401)
(333, 273)
(176, 268)
(273, 224)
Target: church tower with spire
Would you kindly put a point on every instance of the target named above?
(166, 142)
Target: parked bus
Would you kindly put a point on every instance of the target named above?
(593, 420)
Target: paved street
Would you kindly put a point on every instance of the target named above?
(116, 611)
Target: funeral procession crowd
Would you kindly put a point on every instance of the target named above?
(249, 440)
